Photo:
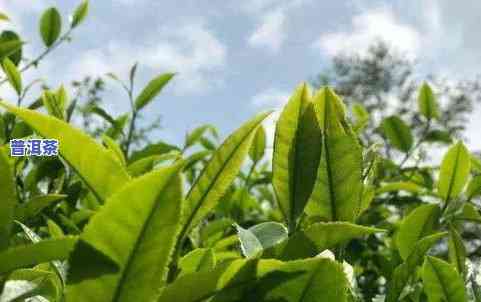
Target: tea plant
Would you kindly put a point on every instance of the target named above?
(333, 220)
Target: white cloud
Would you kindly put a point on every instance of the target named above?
(379, 23)
(272, 27)
(271, 33)
(191, 50)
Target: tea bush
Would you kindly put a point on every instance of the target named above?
(333, 220)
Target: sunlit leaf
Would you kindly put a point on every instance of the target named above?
(442, 282)
(137, 228)
(152, 90)
(100, 171)
(297, 149)
(454, 172)
(13, 75)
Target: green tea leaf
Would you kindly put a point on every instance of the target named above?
(35, 205)
(442, 282)
(470, 213)
(219, 173)
(115, 148)
(195, 135)
(321, 236)
(8, 200)
(474, 187)
(454, 172)
(80, 13)
(321, 280)
(398, 133)
(457, 251)
(306, 280)
(337, 192)
(9, 47)
(53, 105)
(258, 148)
(400, 186)
(4, 17)
(50, 26)
(427, 102)
(404, 272)
(32, 254)
(297, 148)
(97, 168)
(198, 260)
(137, 228)
(152, 90)
(229, 277)
(420, 223)
(13, 75)
(261, 237)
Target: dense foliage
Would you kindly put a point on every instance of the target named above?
(332, 219)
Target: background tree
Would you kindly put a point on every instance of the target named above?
(384, 80)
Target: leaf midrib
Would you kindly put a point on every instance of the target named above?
(216, 176)
(120, 283)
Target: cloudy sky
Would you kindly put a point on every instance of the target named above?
(235, 58)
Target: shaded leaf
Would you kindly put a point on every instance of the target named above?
(427, 102)
(421, 222)
(454, 172)
(398, 133)
(8, 200)
(32, 254)
(50, 26)
(152, 90)
(321, 236)
(442, 282)
(80, 13)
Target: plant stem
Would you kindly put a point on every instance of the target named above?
(37, 60)
(132, 123)
(418, 144)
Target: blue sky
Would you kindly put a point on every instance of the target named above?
(235, 58)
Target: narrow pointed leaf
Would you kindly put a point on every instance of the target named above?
(8, 200)
(13, 75)
(258, 148)
(297, 147)
(321, 236)
(457, 251)
(474, 187)
(137, 228)
(198, 260)
(421, 222)
(454, 172)
(442, 283)
(50, 26)
(80, 13)
(322, 280)
(152, 90)
(35, 205)
(337, 192)
(398, 133)
(9, 47)
(404, 272)
(100, 171)
(219, 173)
(33, 254)
(427, 102)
